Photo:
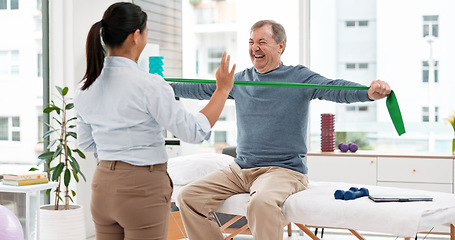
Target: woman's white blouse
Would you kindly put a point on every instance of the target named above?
(122, 115)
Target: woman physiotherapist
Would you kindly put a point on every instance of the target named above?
(121, 113)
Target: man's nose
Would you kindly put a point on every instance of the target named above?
(255, 46)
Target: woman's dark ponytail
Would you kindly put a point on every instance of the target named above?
(95, 55)
(118, 22)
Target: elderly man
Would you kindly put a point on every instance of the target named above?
(271, 146)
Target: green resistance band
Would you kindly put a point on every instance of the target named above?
(391, 102)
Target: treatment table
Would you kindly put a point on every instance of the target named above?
(317, 207)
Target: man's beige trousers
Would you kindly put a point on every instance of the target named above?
(268, 188)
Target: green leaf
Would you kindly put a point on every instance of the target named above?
(58, 151)
(72, 134)
(81, 154)
(73, 192)
(33, 169)
(71, 119)
(75, 175)
(46, 134)
(64, 91)
(68, 150)
(85, 180)
(59, 123)
(71, 126)
(48, 191)
(46, 155)
(41, 162)
(50, 109)
(75, 165)
(60, 90)
(67, 177)
(69, 106)
(58, 171)
(51, 144)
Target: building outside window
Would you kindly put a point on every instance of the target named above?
(362, 23)
(213, 59)
(431, 25)
(426, 71)
(356, 66)
(21, 93)
(9, 4)
(426, 114)
(9, 63)
(10, 129)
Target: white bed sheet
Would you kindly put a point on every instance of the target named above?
(317, 206)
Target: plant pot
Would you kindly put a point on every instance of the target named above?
(61, 224)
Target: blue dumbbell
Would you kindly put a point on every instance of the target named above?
(349, 195)
(339, 194)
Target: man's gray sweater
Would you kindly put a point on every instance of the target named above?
(272, 121)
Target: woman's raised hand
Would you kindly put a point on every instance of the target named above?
(224, 77)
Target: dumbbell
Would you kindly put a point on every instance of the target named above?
(343, 147)
(351, 147)
(339, 194)
(349, 195)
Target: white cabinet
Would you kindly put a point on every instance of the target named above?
(360, 170)
(431, 172)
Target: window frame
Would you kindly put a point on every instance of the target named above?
(430, 23)
(11, 129)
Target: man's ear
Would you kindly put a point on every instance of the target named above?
(282, 45)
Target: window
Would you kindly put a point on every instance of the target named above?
(350, 65)
(14, 4)
(426, 71)
(426, 114)
(383, 52)
(214, 58)
(350, 23)
(354, 66)
(9, 4)
(363, 23)
(347, 44)
(363, 65)
(351, 108)
(40, 65)
(22, 89)
(10, 129)
(431, 25)
(9, 63)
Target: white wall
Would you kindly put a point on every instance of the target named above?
(70, 21)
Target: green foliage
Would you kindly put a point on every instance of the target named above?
(62, 167)
(195, 2)
(358, 138)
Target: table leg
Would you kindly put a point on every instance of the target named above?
(452, 232)
(27, 216)
(38, 204)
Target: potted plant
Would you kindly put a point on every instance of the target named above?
(62, 167)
